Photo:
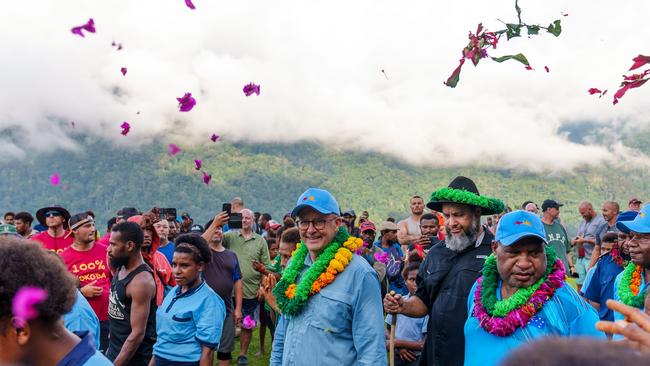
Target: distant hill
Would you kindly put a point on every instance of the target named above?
(103, 177)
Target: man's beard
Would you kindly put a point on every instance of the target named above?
(463, 241)
(118, 262)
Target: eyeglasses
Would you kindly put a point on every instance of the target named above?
(319, 224)
(53, 214)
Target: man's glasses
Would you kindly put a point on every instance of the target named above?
(53, 214)
(319, 224)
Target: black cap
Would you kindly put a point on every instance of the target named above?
(550, 204)
(127, 212)
(196, 228)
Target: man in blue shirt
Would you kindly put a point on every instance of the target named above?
(639, 248)
(341, 323)
(500, 303)
(601, 287)
(82, 318)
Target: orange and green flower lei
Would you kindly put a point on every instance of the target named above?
(629, 287)
(291, 296)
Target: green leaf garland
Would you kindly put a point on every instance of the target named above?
(295, 306)
(625, 293)
(501, 308)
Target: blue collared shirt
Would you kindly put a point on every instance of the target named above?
(340, 325)
(84, 353)
(82, 318)
(187, 321)
(601, 287)
(565, 314)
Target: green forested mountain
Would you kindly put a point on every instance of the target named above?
(104, 177)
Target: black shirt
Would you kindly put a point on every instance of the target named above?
(444, 281)
(119, 317)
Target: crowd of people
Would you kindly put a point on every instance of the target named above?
(468, 282)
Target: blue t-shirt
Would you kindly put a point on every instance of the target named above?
(84, 353)
(168, 251)
(187, 321)
(601, 287)
(394, 268)
(565, 314)
(588, 278)
(82, 318)
(407, 328)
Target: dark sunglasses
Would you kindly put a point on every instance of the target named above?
(53, 214)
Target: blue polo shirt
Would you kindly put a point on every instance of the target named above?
(565, 314)
(82, 318)
(601, 286)
(84, 353)
(187, 321)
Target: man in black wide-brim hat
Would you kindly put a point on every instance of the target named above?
(56, 237)
(449, 271)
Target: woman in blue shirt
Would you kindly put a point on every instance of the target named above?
(190, 319)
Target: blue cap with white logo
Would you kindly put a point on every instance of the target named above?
(318, 199)
(640, 224)
(519, 224)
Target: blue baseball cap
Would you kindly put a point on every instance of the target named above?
(519, 224)
(318, 199)
(625, 216)
(640, 224)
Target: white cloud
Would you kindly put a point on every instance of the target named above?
(318, 64)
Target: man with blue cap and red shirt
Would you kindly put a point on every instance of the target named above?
(631, 285)
(329, 297)
(521, 295)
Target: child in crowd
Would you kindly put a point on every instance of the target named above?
(409, 332)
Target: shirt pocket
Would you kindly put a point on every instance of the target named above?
(333, 312)
(181, 326)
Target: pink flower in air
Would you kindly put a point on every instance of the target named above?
(24, 303)
(173, 149)
(55, 179)
(214, 137)
(639, 61)
(248, 322)
(123, 71)
(126, 127)
(186, 102)
(189, 4)
(88, 27)
(250, 89)
(593, 91)
(529, 68)
(547, 69)
(197, 164)
(206, 178)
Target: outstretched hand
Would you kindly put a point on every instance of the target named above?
(635, 328)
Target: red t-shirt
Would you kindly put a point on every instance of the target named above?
(54, 244)
(90, 266)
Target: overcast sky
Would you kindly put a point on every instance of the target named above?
(318, 64)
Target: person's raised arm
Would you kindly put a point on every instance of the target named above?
(141, 290)
(219, 220)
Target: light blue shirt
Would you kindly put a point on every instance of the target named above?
(82, 318)
(618, 316)
(340, 325)
(407, 328)
(187, 321)
(565, 314)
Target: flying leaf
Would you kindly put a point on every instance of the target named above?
(518, 57)
(555, 28)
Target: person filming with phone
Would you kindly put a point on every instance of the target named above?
(250, 249)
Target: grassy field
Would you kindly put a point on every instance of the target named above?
(253, 349)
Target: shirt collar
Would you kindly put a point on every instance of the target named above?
(83, 351)
(189, 292)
